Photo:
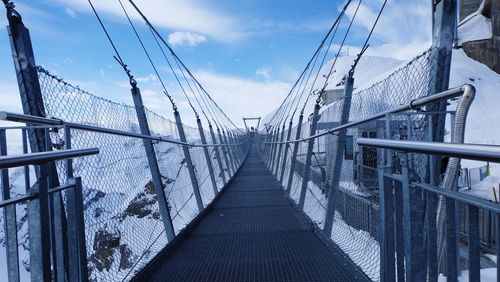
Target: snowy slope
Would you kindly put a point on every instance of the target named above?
(123, 226)
(369, 70)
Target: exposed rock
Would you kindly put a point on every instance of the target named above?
(142, 205)
(125, 257)
(104, 244)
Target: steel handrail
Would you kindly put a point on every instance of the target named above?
(29, 119)
(43, 157)
(413, 105)
(480, 152)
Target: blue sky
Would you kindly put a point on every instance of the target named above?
(246, 53)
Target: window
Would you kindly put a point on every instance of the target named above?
(349, 148)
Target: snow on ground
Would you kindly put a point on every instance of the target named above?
(492, 257)
(474, 27)
(480, 127)
(359, 245)
(369, 70)
(487, 275)
(484, 189)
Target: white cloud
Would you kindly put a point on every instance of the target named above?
(185, 38)
(11, 101)
(70, 12)
(242, 97)
(264, 72)
(403, 31)
(190, 15)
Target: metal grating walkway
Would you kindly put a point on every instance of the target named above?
(253, 232)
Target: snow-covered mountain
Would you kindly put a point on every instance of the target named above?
(123, 226)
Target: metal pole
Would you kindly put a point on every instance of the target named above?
(9, 215)
(32, 103)
(339, 156)
(444, 18)
(229, 151)
(277, 168)
(189, 162)
(235, 149)
(412, 227)
(217, 154)
(275, 149)
(224, 152)
(272, 137)
(386, 229)
(39, 235)
(307, 166)
(27, 77)
(207, 157)
(77, 250)
(153, 162)
(294, 154)
(285, 154)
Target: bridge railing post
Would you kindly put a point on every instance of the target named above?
(77, 249)
(268, 147)
(285, 153)
(230, 154)
(217, 154)
(234, 149)
(39, 227)
(9, 215)
(272, 138)
(307, 166)
(207, 157)
(39, 210)
(339, 155)
(415, 260)
(293, 160)
(189, 161)
(274, 149)
(224, 152)
(280, 148)
(386, 221)
(152, 162)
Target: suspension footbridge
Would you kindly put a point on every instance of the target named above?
(338, 184)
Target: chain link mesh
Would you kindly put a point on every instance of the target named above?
(122, 221)
(355, 227)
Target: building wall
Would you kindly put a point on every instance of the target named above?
(468, 7)
(485, 51)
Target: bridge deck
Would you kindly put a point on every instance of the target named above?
(252, 233)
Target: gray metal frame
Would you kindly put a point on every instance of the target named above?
(44, 229)
(413, 256)
(307, 166)
(153, 162)
(189, 162)
(207, 157)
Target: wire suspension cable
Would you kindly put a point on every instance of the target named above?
(334, 25)
(175, 55)
(147, 55)
(365, 45)
(341, 46)
(175, 75)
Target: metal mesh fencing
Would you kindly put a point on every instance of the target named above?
(122, 221)
(355, 227)
(18, 185)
